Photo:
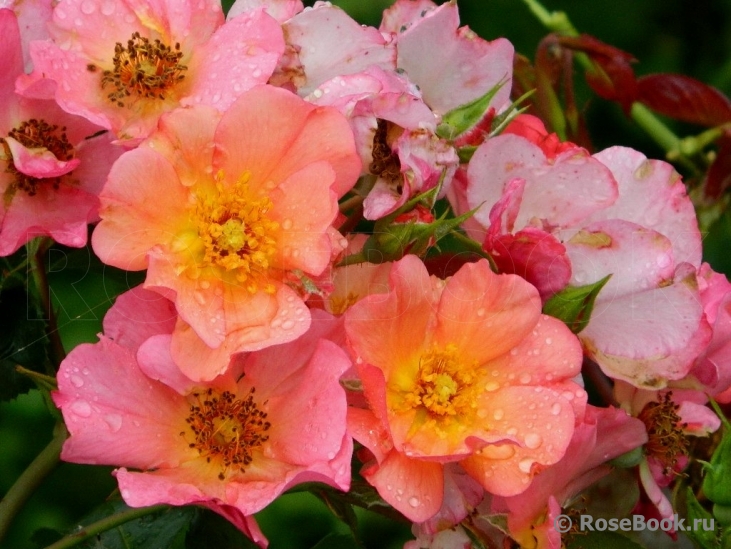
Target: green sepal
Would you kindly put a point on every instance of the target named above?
(717, 480)
(705, 539)
(574, 304)
(459, 120)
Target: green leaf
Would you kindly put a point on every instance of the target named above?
(574, 304)
(23, 341)
(601, 540)
(704, 539)
(163, 530)
(336, 541)
(464, 117)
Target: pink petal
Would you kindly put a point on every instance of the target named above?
(309, 421)
(652, 194)
(136, 215)
(403, 13)
(137, 315)
(272, 149)
(63, 214)
(12, 55)
(560, 193)
(330, 43)
(116, 415)
(241, 54)
(303, 239)
(157, 363)
(281, 10)
(485, 315)
(39, 163)
(413, 487)
(390, 330)
(453, 67)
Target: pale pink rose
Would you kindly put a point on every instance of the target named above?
(232, 444)
(51, 169)
(324, 42)
(452, 66)
(223, 210)
(121, 64)
(395, 135)
(460, 371)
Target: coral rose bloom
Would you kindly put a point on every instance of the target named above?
(464, 370)
(225, 210)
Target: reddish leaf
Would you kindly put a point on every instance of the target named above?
(612, 77)
(719, 174)
(684, 98)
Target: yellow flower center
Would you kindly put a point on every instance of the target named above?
(36, 134)
(142, 69)
(226, 429)
(444, 386)
(237, 234)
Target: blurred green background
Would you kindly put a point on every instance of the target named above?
(690, 37)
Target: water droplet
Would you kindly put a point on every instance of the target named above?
(556, 409)
(533, 440)
(481, 311)
(114, 421)
(414, 501)
(525, 465)
(498, 414)
(81, 408)
(107, 7)
(85, 371)
(287, 224)
(205, 284)
(389, 487)
(548, 341)
(200, 298)
(512, 431)
(88, 7)
(525, 378)
(288, 324)
(492, 386)
(77, 381)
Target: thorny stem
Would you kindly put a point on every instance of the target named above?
(38, 272)
(30, 479)
(103, 525)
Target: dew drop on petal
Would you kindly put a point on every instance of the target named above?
(525, 378)
(81, 408)
(498, 414)
(481, 311)
(88, 7)
(414, 501)
(288, 324)
(525, 465)
(492, 386)
(114, 421)
(533, 440)
(77, 381)
(287, 224)
(556, 409)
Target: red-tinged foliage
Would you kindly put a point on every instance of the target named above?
(612, 77)
(719, 174)
(684, 98)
